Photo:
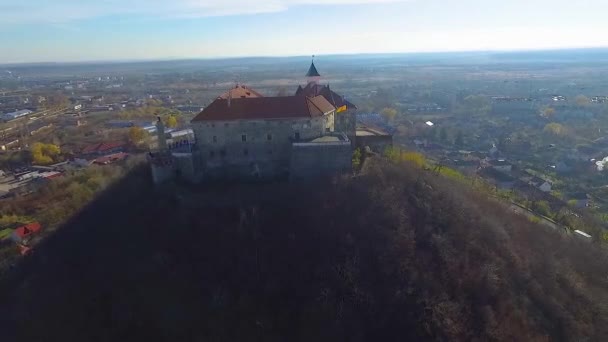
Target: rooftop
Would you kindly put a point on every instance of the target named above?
(265, 108)
(240, 91)
(328, 138)
(499, 162)
(331, 139)
(369, 131)
(313, 89)
(312, 71)
(497, 175)
(102, 147)
(28, 229)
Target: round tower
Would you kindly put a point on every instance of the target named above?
(160, 133)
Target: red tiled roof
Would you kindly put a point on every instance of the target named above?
(101, 147)
(23, 250)
(314, 89)
(28, 229)
(111, 158)
(240, 91)
(265, 108)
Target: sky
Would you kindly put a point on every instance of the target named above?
(93, 30)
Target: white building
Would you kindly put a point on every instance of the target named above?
(15, 115)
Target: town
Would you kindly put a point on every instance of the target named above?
(291, 170)
(540, 141)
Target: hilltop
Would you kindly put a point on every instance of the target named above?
(396, 253)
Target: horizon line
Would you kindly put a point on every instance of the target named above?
(219, 58)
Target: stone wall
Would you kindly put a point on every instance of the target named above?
(346, 122)
(252, 148)
(310, 160)
(377, 143)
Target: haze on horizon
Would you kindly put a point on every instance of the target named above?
(75, 30)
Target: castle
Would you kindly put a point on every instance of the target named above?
(244, 135)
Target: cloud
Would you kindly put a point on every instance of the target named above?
(61, 11)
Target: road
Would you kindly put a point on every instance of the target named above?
(543, 220)
(9, 183)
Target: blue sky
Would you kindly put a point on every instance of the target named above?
(83, 30)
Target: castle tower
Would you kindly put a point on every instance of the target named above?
(160, 132)
(312, 76)
(161, 161)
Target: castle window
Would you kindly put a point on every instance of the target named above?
(297, 135)
(223, 153)
(212, 125)
(215, 138)
(269, 151)
(226, 124)
(211, 154)
(244, 138)
(246, 152)
(269, 137)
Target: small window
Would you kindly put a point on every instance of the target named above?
(269, 137)
(212, 125)
(297, 135)
(269, 151)
(223, 153)
(211, 154)
(244, 137)
(226, 124)
(215, 138)
(246, 152)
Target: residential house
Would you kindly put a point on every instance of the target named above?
(563, 166)
(103, 148)
(112, 158)
(467, 166)
(499, 179)
(581, 200)
(539, 183)
(501, 165)
(24, 233)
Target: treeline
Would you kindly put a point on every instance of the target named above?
(57, 201)
(397, 253)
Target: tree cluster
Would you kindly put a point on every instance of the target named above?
(396, 253)
(45, 154)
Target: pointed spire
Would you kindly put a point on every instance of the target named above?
(312, 71)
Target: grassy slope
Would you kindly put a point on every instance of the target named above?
(393, 255)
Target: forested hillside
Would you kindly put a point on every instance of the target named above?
(394, 254)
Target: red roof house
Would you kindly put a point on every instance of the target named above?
(104, 148)
(24, 232)
(112, 158)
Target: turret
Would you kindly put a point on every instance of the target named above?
(160, 131)
(312, 76)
